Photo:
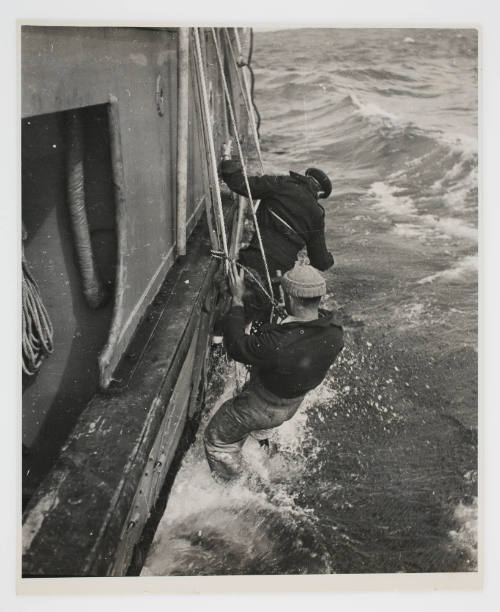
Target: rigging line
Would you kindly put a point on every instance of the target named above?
(208, 123)
(248, 64)
(245, 92)
(213, 228)
(273, 301)
(243, 166)
(252, 79)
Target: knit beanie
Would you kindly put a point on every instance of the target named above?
(303, 281)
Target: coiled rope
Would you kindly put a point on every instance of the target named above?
(37, 330)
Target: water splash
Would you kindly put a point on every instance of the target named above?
(245, 526)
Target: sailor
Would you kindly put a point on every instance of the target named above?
(289, 216)
(287, 360)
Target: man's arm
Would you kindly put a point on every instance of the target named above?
(247, 349)
(318, 254)
(260, 186)
(252, 350)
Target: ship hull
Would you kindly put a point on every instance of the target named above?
(108, 414)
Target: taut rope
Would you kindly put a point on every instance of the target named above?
(206, 109)
(243, 165)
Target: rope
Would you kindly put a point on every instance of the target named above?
(246, 97)
(248, 64)
(278, 308)
(214, 230)
(208, 123)
(37, 330)
(240, 152)
(252, 79)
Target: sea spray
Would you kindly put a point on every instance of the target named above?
(201, 532)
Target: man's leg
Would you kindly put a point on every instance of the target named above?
(262, 436)
(229, 428)
(224, 438)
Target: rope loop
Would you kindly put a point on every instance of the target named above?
(278, 309)
(37, 330)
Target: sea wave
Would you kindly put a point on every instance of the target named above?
(373, 73)
(463, 268)
(465, 536)
(201, 533)
(365, 477)
(393, 91)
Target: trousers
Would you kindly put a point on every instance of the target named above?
(253, 411)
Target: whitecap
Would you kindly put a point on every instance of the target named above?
(465, 536)
(403, 210)
(409, 230)
(388, 202)
(369, 109)
(451, 227)
(464, 267)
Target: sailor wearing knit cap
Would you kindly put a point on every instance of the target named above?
(288, 360)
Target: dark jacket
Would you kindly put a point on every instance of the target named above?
(294, 200)
(289, 359)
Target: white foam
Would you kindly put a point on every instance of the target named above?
(200, 507)
(388, 202)
(461, 143)
(410, 315)
(465, 537)
(408, 230)
(369, 110)
(464, 267)
(451, 226)
(457, 184)
(402, 206)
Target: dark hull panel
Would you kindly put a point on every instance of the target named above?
(55, 396)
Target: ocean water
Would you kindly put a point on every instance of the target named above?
(377, 472)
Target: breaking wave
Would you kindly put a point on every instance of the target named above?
(467, 266)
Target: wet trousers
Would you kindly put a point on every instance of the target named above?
(253, 411)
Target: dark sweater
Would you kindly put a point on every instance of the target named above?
(289, 359)
(294, 200)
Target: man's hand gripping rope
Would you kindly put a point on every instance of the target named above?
(237, 282)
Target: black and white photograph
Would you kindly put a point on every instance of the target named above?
(249, 301)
